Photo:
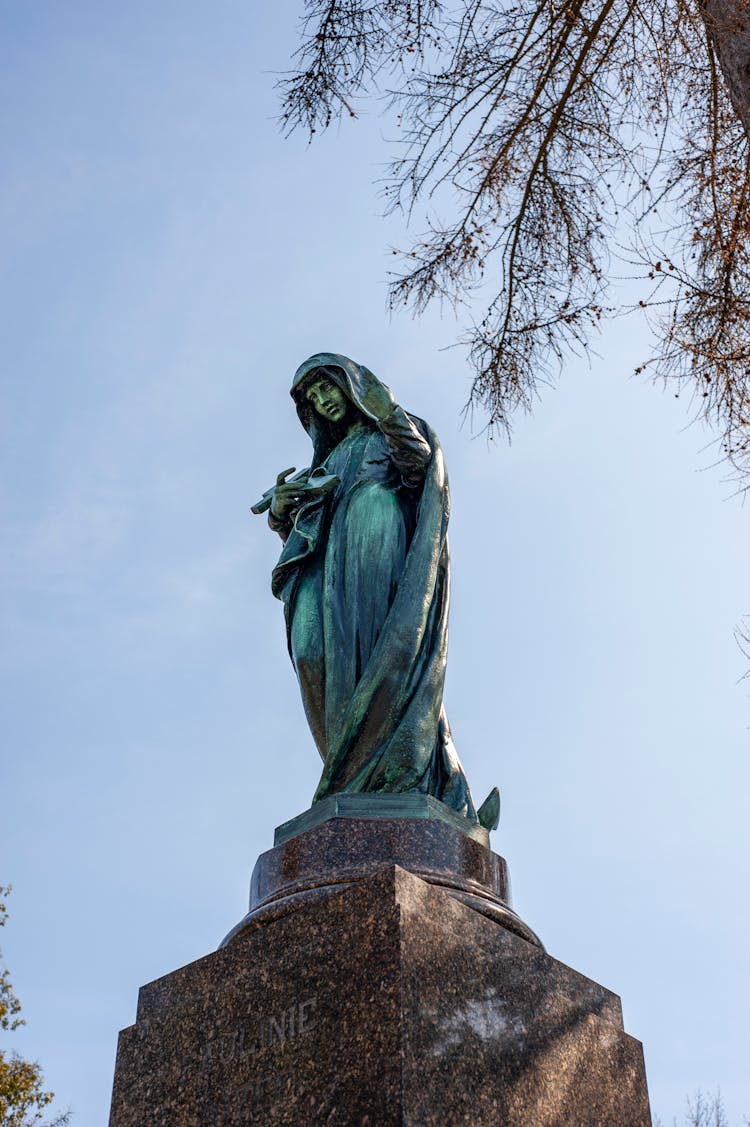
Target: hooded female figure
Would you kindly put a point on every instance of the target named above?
(363, 576)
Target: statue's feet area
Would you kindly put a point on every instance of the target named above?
(348, 838)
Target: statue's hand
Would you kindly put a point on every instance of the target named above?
(377, 398)
(285, 495)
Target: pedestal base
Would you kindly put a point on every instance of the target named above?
(348, 837)
(387, 1003)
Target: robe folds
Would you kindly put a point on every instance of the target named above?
(364, 578)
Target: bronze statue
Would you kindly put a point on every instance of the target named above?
(364, 579)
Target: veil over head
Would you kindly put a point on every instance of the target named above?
(350, 377)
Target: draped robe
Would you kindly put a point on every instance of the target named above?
(364, 579)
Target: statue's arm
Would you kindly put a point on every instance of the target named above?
(283, 525)
(409, 450)
(284, 501)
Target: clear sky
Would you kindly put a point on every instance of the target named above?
(167, 261)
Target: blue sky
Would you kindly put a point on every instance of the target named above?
(167, 261)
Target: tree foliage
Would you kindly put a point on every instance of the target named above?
(550, 145)
(22, 1095)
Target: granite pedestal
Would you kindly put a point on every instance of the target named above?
(357, 992)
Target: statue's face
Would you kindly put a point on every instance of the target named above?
(327, 398)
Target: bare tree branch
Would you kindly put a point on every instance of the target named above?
(542, 127)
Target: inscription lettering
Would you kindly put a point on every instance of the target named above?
(253, 1036)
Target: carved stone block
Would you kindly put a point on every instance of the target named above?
(387, 1003)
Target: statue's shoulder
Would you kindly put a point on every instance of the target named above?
(424, 429)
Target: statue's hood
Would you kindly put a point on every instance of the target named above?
(351, 377)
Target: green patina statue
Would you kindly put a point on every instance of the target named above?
(364, 579)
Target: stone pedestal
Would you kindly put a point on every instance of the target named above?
(350, 836)
(377, 997)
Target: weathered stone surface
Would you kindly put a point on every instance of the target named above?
(497, 1032)
(388, 1003)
